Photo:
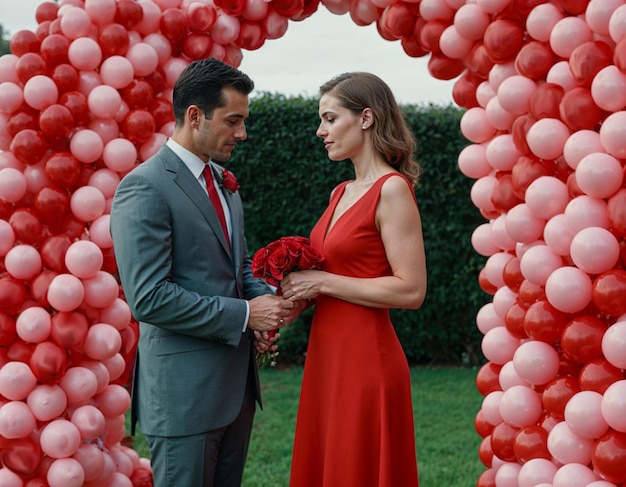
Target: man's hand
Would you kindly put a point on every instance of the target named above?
(269, 312)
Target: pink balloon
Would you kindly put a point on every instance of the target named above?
(499, 235)
(520, 406)
(567, 34)
(40, 92)
(113, 401)
(117, 71)
(33, 325)
(595, 250)
(152, 145)
(172, 69)
(499, 346)
(522, 225)
(65, 292)
(11, 97)
(10, 479)
(101, 372)
(16, 420)
(573, 475)
(104, 101)
(568, 289)
(598, 15)
(471, 21)
(546, 197)
(7, 237)
(7, 69)
(102, 341)
(583, 414)
(101, 290)
(507, 474)
(515, 92)
(101, 12)
(12, 185)
(87, 203)
(484, 94)
(107, 128)
(581, 144)
(568, 447)
(116, 366)
(538, 262)
(120, 155)
(613, 134)
(16, 381)
(585, 211)
(487, 319)
(79, 384)
(23, 262)
(91, 459)
(561, 75)
(105, 180)
(613, 405)
(85, 54)
(617, 23)
(89, 420)
(117, 314)
(86, 145)
(75, 23)
(536, 362)
(226, 29)
(65, 472)
(143, 58)
(482, 242)
(491, 407)
(494, 266)
(99, 232)
(453, 44)
(503, 299)
(508, 378)
(475, 126)
(546, 138)
(608, 89)
(161, 45)
(481, 191)
(501, 152)
(47, 402)
(614, 344)
(537, 472)
(84, 259)
(60, 438)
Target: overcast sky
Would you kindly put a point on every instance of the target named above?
(311, 52)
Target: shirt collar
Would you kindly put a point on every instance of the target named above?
(192, 161)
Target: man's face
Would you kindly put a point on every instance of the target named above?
(215, 138)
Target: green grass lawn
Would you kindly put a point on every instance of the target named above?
(445, 402)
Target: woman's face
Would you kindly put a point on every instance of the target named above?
(340, 129)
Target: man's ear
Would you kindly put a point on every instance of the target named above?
(193, 115)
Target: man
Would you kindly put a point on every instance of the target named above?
(188, 282)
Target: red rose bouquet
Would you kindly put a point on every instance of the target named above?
(277, 259)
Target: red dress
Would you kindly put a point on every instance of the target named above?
(355, 417)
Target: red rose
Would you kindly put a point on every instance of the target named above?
(141, 477)
(229, 181)
(310, 258)
(279, 263)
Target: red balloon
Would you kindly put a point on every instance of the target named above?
(503, 39)
(138, 94)
(197, 45)
(531, 442)
(581, 339)
(27, 227)
(442, 67)
(66, 78)
(545, 101)
(29, 146)
(29, 65)
(114, 40)
(72, 227)
(557, 393)
(13, 293)
(27, 118)
(24, 41)
(572, 7)
(157, 80)
(616, 207)
(519, 130)
(609, 292)
(69, 329)
(52, 205)
(482, 427)
(48, 362)
(598, 374)
(39, 287)
(397, 20)
(487, 379)
(231, 7)
(512, 274)
(567, 366)
(464, 90)
(56, 122)
(487, 478)
(20, 351)
(46, 11)
(544, 322)
(484, 283)
(525, 171)
(410, 43)
(76, 102)
(478, 61)
(201, 17)
(619, 55)
(609, 456)
(23, 456)
(503, 197)
(288, 8)
(54, 49)
(173, 24)
(138, 125)
(502, 439)
(579, 111)
(485, 453)
(430, 34)
(251, 37)
(129, 13)
(161, 110)
(63, 169)
(8, 333)
(514, 320)
(589, 59)
(53, 251)
(530, 293)
(534, 60)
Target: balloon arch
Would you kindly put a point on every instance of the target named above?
(87, 96)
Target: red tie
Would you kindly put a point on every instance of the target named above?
(215, 199)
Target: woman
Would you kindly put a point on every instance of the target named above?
(355, 418)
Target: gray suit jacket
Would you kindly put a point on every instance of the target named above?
(187, 290)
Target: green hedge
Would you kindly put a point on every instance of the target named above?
(286, 178)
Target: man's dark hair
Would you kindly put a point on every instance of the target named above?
(202, 84)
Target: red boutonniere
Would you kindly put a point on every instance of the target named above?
(229, 181)
(277, 259)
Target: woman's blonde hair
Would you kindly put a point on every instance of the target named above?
(391, 136)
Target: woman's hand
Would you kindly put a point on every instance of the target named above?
(264, 343)
(302, 285)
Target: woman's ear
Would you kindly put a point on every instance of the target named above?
(367, 118)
